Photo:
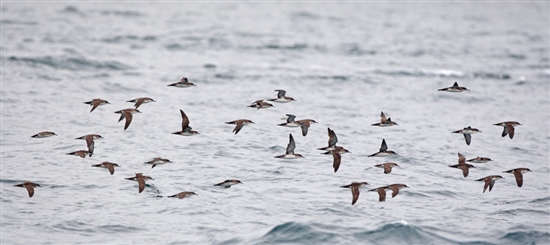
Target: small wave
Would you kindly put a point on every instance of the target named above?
(126, 38)
(73, 64)
(125, 13)
(401, 233)
(522, 237)
(421, 73)
(297, 233)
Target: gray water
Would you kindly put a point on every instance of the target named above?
(343, 62)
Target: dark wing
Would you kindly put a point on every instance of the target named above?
(30, 189)
(505, 131)
(238, 127)
(519, 178)
(337, 159)
(291, 145)
(384, 147)
(461, 159)
(487, 182)
(111, 168)
(491, 184)
(90, 143)
(332, 139)
(281, 93)
(304, 127)
(128, 116)
(381, 194)
(290, 118)
(94, 105)
(455, 85)
(468, 138)
(510, 129)
(355, 193)
(184, 121)
(383, 118)
(141, 184)
(464, 168)
(138, 103)
(395, 190)
(121, 116)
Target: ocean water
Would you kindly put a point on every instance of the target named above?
(344, 63)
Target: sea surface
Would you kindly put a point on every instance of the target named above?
(343, 62)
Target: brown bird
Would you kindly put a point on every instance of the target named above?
(387, 166)
(260, 104)
(462, 165)
(508, 128)
(90, 141)
(140, 178)
(395, 188)
(127, 113)
(239, 124)
(183, 83)
(44, 134)
(139, 101)
(304, 124)
(96, 102)
(184, 194)
(158, 161)
(108, 165)
(384, 122)
(29, 186)
(490, 181)
(337, 156)
(381, 193)
(354, 186)
(81, 153)
(185, 129)
(228, 183)
(518, 173)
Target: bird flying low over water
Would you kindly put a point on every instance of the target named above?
(96, 102)
(354, 186)
(467, 133)
(158, 161)
(44, 134)
(90, 141)
(455, 88)
(281, 98)
(183, 194)
(228, 183)
(462, 165)
(260, 104)
(239, 124)
(383, 151)
(387, 166)
(290, 150)
(185, 129)
(508, 128)
(108, 165)
(81, 153)
(393, 187)
(140, 178)
(489, 181)
(518, 174)
(140, 101)
(29, 186)
(127, 113)
(182, 83)
(384, 122)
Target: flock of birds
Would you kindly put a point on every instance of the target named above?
(332, 149)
